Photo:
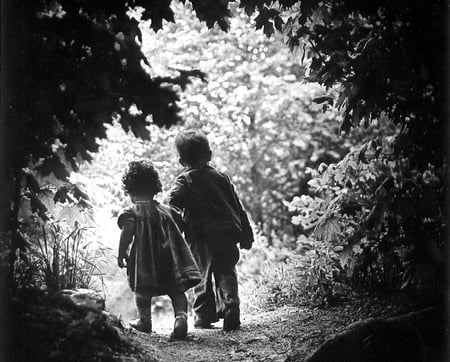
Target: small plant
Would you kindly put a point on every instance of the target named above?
(60, 256)
(277, 276)
(321, 268)
(68, 256)
(52, 247)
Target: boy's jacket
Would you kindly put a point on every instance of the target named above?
(210, 207)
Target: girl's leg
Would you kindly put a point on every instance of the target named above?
(144, 307)
(179, 302)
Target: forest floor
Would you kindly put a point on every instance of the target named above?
(283, 334)
(49, 329)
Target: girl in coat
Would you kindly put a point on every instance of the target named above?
(152, 248)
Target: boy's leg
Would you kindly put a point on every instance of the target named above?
(204, 298)
(144, 308)
(224, 268)
(179, 303)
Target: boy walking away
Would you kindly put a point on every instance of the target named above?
(159, 262)
(214, 223)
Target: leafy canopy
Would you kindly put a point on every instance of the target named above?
(388, 58)
(73, 66)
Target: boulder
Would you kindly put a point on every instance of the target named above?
(84, 298)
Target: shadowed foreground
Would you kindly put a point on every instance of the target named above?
(288, 334)
(54, 329)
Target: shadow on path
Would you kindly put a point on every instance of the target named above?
(265, 336)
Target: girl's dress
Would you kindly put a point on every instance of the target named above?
(160, 262)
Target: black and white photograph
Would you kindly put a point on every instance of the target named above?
(219, 180)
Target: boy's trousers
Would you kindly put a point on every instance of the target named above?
(218, 261)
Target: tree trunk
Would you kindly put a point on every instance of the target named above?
(12, 95)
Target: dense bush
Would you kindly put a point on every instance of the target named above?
(384, 221)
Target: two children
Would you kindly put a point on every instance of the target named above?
(160, 262)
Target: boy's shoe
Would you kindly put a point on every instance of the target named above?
(199, 323)
(143, 324)
(179, 328)
(220, 313)
(231, 320)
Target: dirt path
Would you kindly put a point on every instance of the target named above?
(286, 334)
(271, 336)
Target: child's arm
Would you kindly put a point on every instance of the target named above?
(126, 237)
(177, 201)
(178, 218)
(247, 232)
(178, 192)
(126, 223)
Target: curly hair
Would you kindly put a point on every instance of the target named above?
(193, 147)
(141, 178)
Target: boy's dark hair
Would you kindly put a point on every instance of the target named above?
(193, 147)
(141, 178)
